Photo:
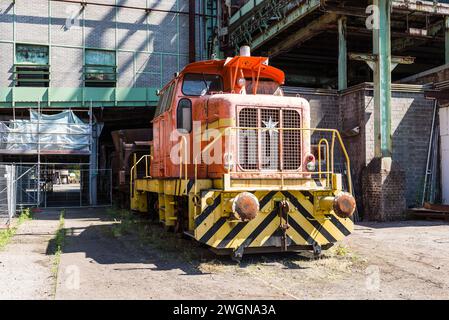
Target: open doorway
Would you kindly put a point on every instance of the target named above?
(64, 186)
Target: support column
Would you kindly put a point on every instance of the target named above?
(93, 165)
(342, 55)
(382, 80)
(446, 34)
(383, 180)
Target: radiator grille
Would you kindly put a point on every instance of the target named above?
(248, 139)
(262, 149)
(291, 140)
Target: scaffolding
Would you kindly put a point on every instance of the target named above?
(62, 134)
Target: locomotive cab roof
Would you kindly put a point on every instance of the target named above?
(232, 69)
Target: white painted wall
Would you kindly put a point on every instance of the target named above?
(444, 132)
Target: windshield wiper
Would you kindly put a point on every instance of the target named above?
(207, 89)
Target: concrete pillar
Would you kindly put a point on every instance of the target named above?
(342, 55)
(383, 180)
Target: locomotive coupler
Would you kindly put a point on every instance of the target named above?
(284, 209)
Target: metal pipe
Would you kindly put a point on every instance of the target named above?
(84, 3)
(429, 151)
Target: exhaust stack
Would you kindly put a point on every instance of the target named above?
(245, 51)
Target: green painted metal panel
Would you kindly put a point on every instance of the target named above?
(30, 94)
(5, 95)
(99, 94)
(382, 80)
(131, 94)
(66, 95)
(78, 97)
(342, 55)
(245, 9)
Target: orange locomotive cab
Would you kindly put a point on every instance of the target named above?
(233, 166)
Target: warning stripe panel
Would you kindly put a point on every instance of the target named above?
(218, 232)
(338, 233)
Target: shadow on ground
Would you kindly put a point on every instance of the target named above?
(125, 238)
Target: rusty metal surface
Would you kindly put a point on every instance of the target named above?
(246, 206)
(344, 205)
(126, 143)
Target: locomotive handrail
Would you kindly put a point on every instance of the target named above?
(134, 172)
(335, 135)
(183, 147)
(327, 159)
(330, 169)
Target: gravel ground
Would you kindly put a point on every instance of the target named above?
(105, 259)
(25, 263)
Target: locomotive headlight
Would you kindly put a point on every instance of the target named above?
(344, 205)
(311, 165)
(245, 206)
(228, 161)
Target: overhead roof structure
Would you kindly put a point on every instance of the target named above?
(302, 36)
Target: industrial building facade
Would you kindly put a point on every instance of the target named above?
(101, 60)
(355, 61)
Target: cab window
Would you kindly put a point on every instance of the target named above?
(200, 84)
(165, 99)
(184, 116)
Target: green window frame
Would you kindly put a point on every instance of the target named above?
(100, 68)
(31, 66)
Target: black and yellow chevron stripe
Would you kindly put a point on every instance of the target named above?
(219, 232)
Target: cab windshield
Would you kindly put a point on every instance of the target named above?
(264, 87)
(199, 84)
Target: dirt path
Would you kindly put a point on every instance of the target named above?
(102, 261)
(25, 265)
(106, 259)
(412, 258)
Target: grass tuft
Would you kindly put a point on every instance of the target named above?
(57, 249)
(6, 235)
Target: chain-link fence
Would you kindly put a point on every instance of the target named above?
(75, 187)
(52, 185)
(7, 194)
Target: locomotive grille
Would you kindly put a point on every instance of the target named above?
(292, 140)
(271, 148)
(248, 139)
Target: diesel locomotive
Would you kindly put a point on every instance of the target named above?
(234, 164)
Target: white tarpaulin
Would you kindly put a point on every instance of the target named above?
(58, 132)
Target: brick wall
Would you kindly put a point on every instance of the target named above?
(412, 118)
(150, 47)
(411, 127)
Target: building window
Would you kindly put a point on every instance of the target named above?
(184, 116)
(32, 66)
(100, 68)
